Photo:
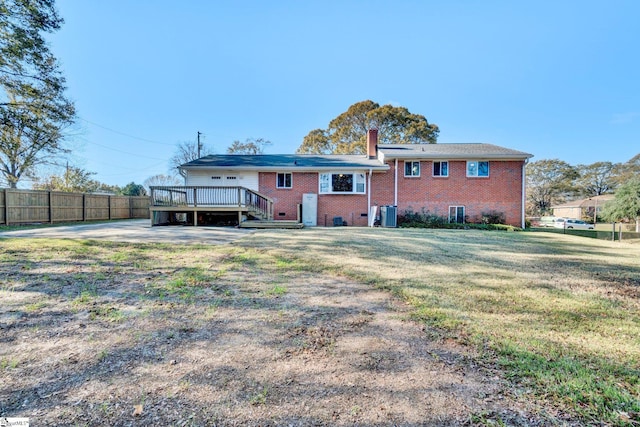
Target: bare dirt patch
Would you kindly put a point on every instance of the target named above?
(119, 334)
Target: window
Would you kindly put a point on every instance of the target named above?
(342, 183)
(411, 168)
(440, 168)
(232, 177)
(477, 168)
(216, 177)
(456, 214)
(283, 180)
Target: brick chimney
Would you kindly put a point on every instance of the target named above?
(372, 143)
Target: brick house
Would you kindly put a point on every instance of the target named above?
(458, 181)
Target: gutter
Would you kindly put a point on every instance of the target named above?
(524, 194)
(369, 197)
(395, 185)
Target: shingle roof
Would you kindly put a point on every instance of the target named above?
(451, 151)
(285, 162)
(268, 162)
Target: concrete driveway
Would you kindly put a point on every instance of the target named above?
(136, 231)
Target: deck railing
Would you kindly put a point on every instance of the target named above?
(211, 197)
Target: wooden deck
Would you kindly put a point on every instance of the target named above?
(194, 204)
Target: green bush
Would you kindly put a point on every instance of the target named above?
(424, 219)
(493, 217)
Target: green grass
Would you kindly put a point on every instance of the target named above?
(277, 290)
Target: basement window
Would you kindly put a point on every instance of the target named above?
(456, 214)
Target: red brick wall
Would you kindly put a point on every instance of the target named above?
(501, 192)
(285, 201)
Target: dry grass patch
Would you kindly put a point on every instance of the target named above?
(100, 333)
(559, 313)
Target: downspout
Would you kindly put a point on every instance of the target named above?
(524, 193)
(369, 198)
(395, 185)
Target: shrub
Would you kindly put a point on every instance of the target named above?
(493, 217)
(424, 219)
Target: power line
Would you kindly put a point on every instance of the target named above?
(125, 134)
(125, 152)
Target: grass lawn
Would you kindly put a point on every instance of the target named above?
(559, 314)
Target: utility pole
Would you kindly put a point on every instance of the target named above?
(199, 145)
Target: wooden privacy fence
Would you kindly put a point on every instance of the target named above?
(28, 206)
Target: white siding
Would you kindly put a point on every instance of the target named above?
(248, 179)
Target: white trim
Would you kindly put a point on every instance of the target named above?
(478, 168)
(412, 162)
(355, 182)
(285, 180)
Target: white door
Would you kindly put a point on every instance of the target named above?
(310, 209)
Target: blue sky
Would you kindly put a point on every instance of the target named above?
(558, 79)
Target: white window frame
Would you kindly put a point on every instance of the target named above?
(473, 169)
(412, 170)
(325, 182)
(456, 214)
(285, 180)
(441, 175)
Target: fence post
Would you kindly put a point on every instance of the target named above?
(84, 207)
(6, 206)
(130, 207)
(50, 209)
(109, 205)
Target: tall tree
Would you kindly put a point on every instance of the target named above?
(629, 170)
(548, 182)
(33, 108)
(347, 133)
(626, 204)
(186, 152)
(597, 178)
(250, 146)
